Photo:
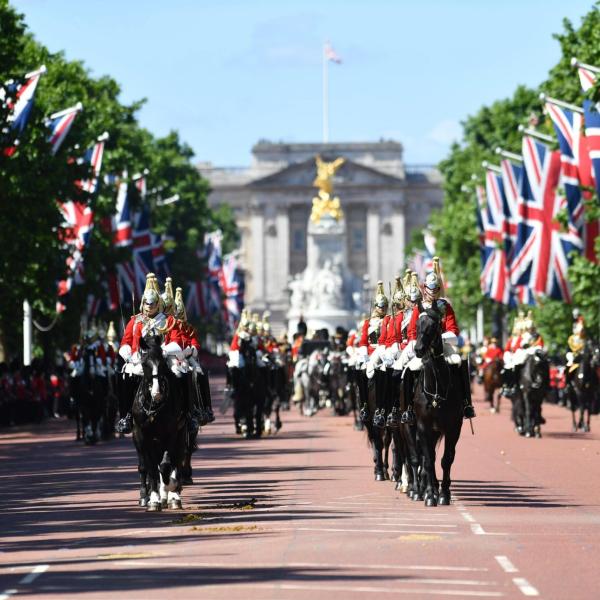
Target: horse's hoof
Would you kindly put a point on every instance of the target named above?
(431, 501)
(538, 434)
(493, 410)
(394, 476)
(403, 487)
(154, 507)
(143, 502)
(414, 496)
(175, 504)
(444, 500)
(528, 434)
(386, 475)
(379, 477)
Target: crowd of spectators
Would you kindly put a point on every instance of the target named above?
(30, 394)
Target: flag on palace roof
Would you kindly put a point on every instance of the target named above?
(60, 124)
(18, 98)
(541, 256)
(331, 54)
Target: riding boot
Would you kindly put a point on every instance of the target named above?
(394, 418)
(379, 416)
(204, 385)
(408, 416)
(469, 411)
(127, 389)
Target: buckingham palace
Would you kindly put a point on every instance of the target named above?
(382, 198)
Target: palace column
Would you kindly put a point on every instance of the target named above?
(373, 244)
(257, 249)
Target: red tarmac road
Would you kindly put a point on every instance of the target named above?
(298, 516)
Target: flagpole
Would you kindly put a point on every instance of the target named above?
(325, 98)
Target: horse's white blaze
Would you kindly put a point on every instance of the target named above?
(155, 391)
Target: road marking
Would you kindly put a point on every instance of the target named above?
(357, 496)
(468, 517)
(415, 524)
(526, 588)
(506, 565)
(335, 530)
(37, 571)
(477, 529)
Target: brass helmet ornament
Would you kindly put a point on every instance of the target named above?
(398, 295)
(179, 306)
(168, 297)
(253, 325)
(111, 334)
(381, 302)
(151, 301)
(433, 287)
(266, 326)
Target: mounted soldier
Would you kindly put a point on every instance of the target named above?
(433, 292)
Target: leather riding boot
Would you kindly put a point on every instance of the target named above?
(408, 416)
(469, 411)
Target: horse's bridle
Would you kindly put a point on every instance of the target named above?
(163, 385)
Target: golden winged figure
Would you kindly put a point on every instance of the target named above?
(324, 203)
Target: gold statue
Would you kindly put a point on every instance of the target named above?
(324, 203)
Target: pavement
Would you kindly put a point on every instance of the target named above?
(298, 516)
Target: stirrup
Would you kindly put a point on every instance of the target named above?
(379, 418)
(408, 416)
(393, 419)
(125, 424)
(363, 414)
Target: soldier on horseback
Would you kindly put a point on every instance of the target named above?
(433, 291)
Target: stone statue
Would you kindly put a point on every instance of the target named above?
(324, 204)
(297, 297)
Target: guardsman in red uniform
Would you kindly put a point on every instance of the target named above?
(370, 333)
(492, 353)
(433, 290)
(151, 320)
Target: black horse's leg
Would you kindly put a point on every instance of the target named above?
(143, 473)
(427, 445)
(450, 441)
(387, 442)
(397, 456)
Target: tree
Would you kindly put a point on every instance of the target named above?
(33, 180)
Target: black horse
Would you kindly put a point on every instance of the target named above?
(534, 383)
(90, 393)
(438, 405)
(159, 428)
(582, 387)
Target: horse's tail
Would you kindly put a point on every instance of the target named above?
(165, 468)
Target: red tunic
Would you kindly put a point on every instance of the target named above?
(350, 341)
(448, 322)
(513, 343)
(364, 338)
(384, 330)
(133, 333)
(493, 353)
(394, 330)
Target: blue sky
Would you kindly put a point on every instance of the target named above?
(228, 73)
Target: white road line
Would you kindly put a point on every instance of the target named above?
(526, 588)
(506, 565)
(336, 530)
(477, 529)
(413, 524)
(37, 571)
(303, 565)
(6, 594)
(468, 517)
(357, 496)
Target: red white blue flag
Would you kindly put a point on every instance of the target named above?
(18, 97)
(93, 158)
(541, 254)
(121, 221)
(60, 124)
(232, 286)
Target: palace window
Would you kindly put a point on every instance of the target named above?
(298, 240)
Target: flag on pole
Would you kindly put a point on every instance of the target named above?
(121, 220)
(540, 259)
(331, 54)
(232, 285)
(18, 97)
(93, 157)
(60, 124)
(195, 304)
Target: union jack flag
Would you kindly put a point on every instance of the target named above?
(494, 280)
(18, 98)
(93, 158)
(195, 304)
(540, 260)
(143, 259)
(60, 124)
(214, 264)
(121, 221)
(232, 285)
(331, 54)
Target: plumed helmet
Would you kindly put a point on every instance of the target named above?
(244, 320)
(414, 289)
(179, 306)
(406, 279)
(579, 326)
(168, 297)
(111, 334)
(528, 323)
(398, 295)
(265, 322)
(381, 300)
(434, 284)
(151, 295)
